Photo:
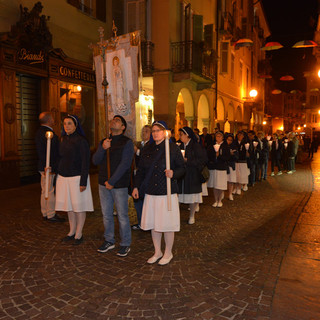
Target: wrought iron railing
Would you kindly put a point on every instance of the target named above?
(189, 56)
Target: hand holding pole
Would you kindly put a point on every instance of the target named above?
(167, 153)
(49, 136)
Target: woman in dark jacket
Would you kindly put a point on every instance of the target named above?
(276, 150)
(234, 155)
(218, 157)
(73, 192)
(151, 179)
(190, 188)
(242, 169)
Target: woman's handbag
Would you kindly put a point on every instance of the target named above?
(204, 174)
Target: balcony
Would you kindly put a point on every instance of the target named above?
(189, 57)
(226, 24)
(147, 57)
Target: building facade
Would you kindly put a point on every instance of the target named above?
(45, 65)
(199, 76)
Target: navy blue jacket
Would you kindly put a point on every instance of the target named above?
(121, 155)
(74, 157)
(157, 184)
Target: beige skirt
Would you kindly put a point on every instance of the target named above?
(155, 214)
(69, 197)
(242, 172)
(232, 176)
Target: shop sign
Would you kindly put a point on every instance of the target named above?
(76, 74)
(31, 57)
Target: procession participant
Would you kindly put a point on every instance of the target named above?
(151, 180)
(242, 169)
(195, 158)
(276, 149)
(47, 205)
(138, 203)
(113, 189)
(73, 182)
(234, 155)
(205, 138)
(218, 157)
(264, 157)
(291, 153)
(254, 154)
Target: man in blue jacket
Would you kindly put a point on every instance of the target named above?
(113, 186)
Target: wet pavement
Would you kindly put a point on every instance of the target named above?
(257, 257)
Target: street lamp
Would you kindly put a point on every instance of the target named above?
(253, 93)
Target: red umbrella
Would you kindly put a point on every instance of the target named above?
(243, 43)
(272, 46)
(305, 44)
(287, 78)
(265, 76)
(276, 91)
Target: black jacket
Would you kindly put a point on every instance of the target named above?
(220, 162)
(233, 158)
(196, 160)
(121, 155)
(242, 151)
(157, 184)
(41, 144)
(75, 157)
(276, 153)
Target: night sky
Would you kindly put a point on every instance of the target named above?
(291, 21)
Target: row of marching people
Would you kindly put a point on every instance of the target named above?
(227, 162)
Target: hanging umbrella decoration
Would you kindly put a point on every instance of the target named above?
(276, 91)
(287, 78)
(265, 76)
(243, 43)
(305, 44)
(269, 46)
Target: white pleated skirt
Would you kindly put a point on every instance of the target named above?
(204, 189)
(155, 214)
(69, 197)
(210, 181)
(218, 179)
(232, 176)
(190, 198)
(242, 172)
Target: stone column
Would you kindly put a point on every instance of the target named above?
(190, 121)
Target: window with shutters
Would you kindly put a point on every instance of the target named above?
(240, 74)
(224, 51)
(232, 67)
(136, 16)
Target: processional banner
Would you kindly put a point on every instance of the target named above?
(121, 67)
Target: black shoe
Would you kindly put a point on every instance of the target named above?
(77, 241)
(123, 251)
(136, 227)
(56, 218)
(106, 246)
(67, 238)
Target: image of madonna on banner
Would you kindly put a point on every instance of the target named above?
(122, 76)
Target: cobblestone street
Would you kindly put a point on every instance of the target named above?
(257, 257)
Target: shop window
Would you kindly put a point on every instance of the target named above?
(79, 100)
